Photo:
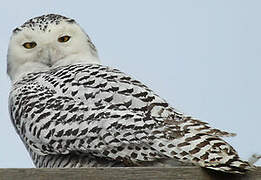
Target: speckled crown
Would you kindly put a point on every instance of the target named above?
(42, 22)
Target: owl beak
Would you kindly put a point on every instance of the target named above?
(48, 60)
(49, 63)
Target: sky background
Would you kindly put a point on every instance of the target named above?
(203, 57)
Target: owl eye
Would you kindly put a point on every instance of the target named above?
(29, 45)
(64, 39)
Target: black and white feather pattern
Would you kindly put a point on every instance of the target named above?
(92, 115)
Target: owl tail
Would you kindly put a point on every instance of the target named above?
(236, 166)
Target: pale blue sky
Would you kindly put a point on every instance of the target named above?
(203, 57)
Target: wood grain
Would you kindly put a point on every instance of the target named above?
(174, 173)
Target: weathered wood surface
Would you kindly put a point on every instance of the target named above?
(175, 173)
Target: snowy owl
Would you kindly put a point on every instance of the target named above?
(71, 111)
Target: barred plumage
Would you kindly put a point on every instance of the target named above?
(74, 112)
(97, 111)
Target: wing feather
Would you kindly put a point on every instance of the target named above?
(102, 111)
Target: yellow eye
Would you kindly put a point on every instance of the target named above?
(29, 45)
(64, 39)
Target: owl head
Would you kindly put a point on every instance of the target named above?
(47, 42)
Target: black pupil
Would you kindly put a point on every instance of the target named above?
(31, 44)
(64, 38)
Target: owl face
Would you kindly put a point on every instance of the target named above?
(46, 42)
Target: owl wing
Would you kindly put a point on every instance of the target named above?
(102, 111)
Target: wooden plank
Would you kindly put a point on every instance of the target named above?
(144, 173)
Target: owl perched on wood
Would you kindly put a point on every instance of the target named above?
(71, 111)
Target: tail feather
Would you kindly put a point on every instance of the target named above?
(236, 166)
(192, 141)
(204, 150)
(203, 127)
